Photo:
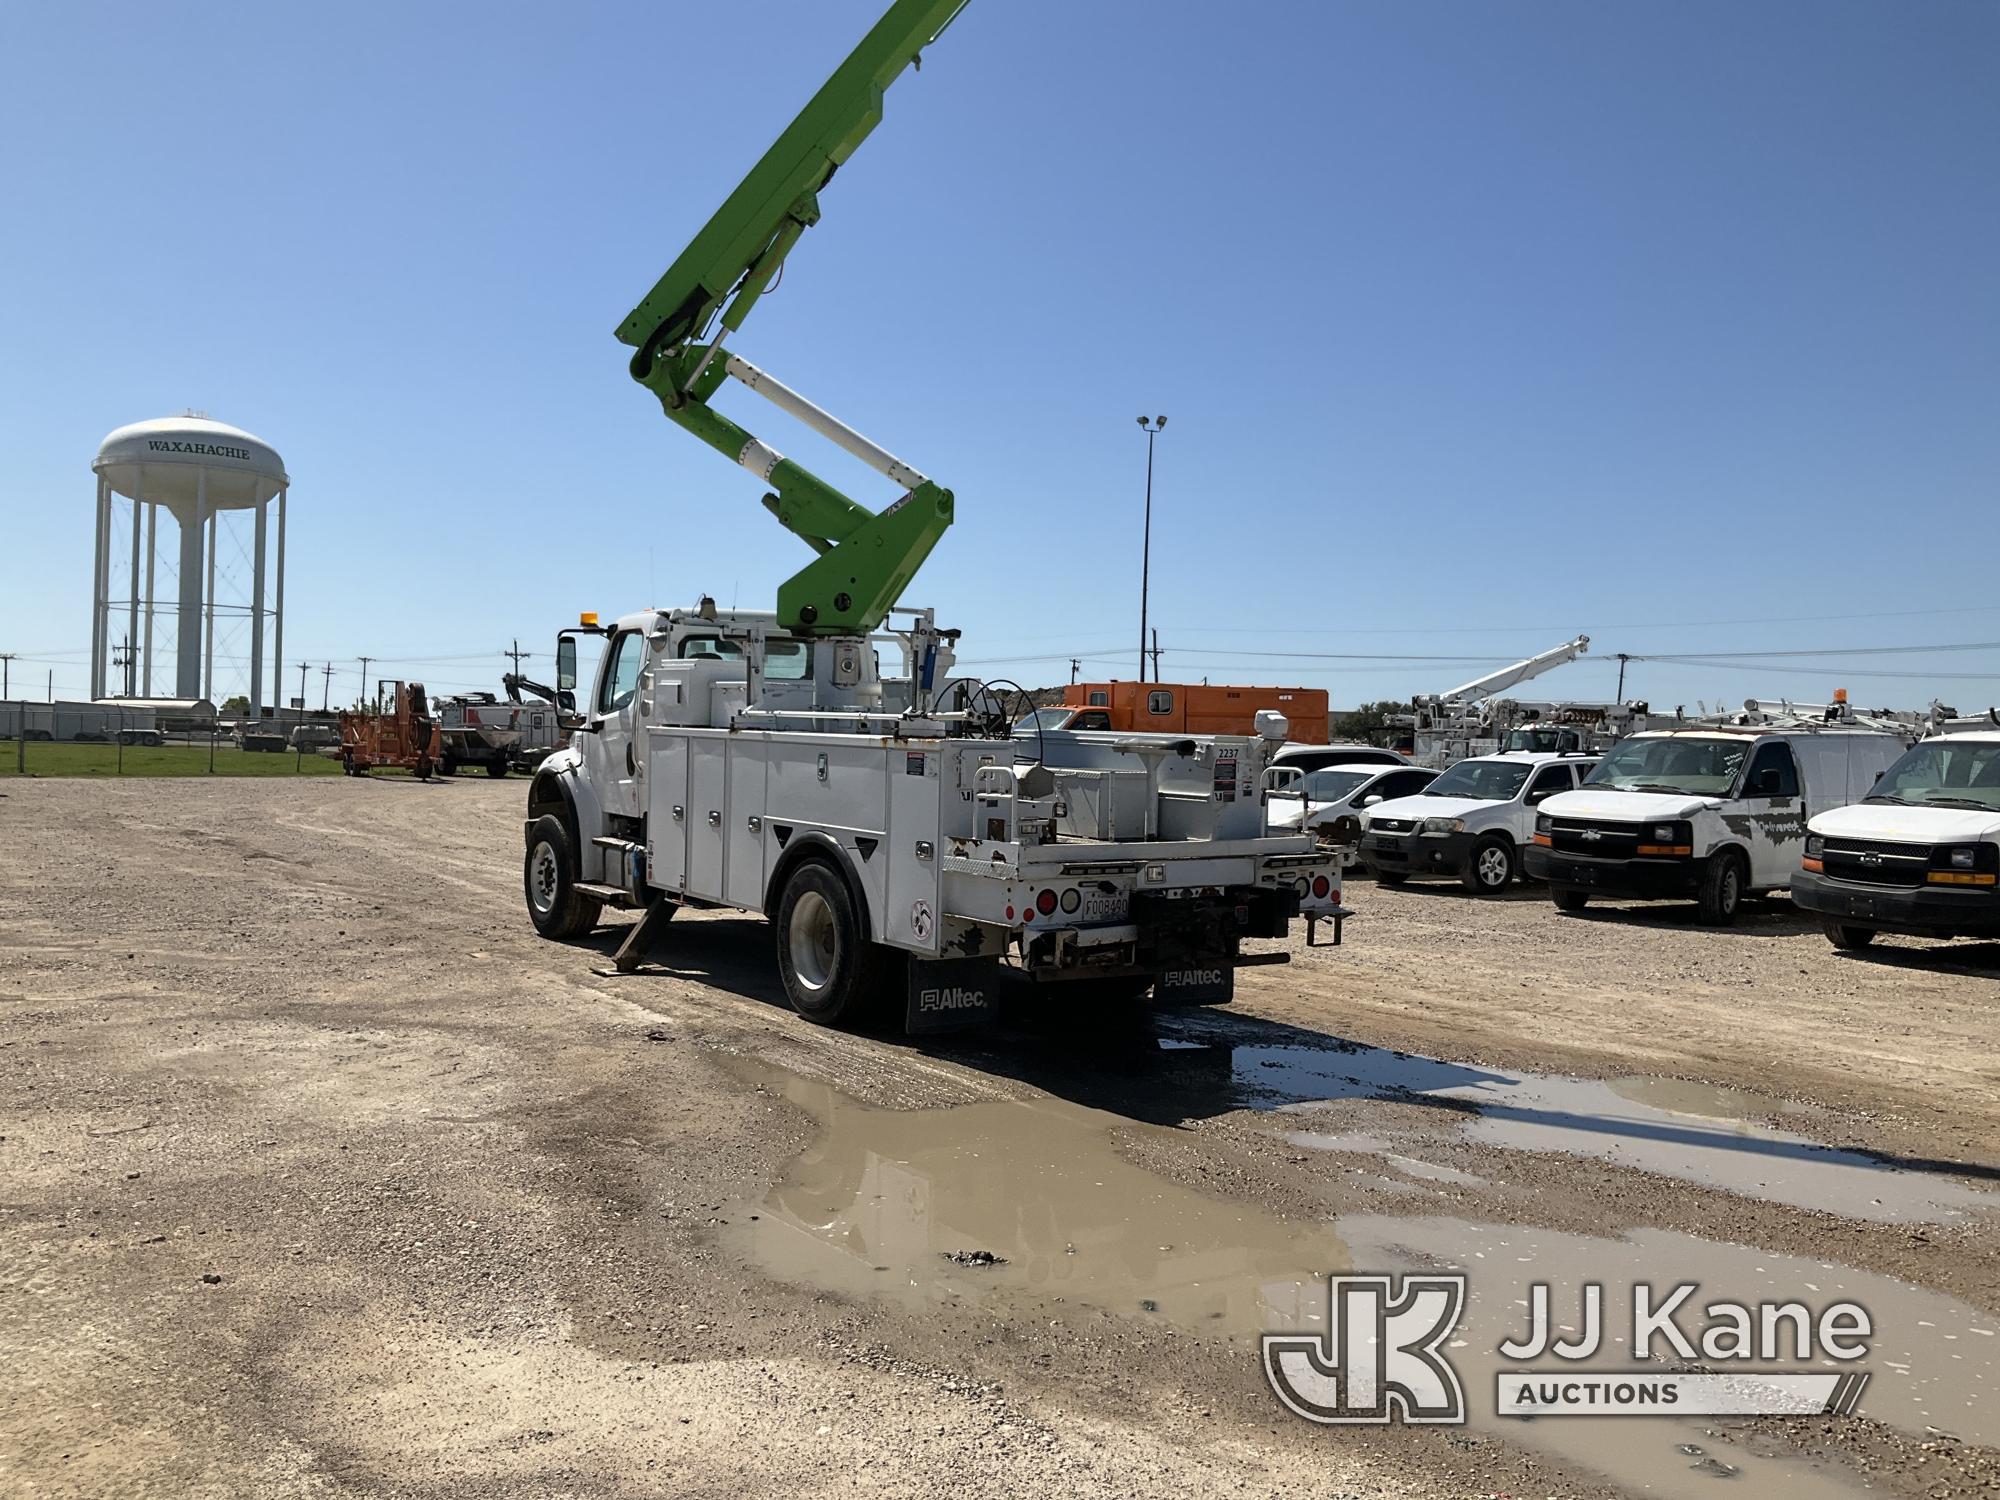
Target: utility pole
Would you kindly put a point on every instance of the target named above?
(121, 656)
(1075, 667)
(303, 667)
(1622, 659)
(1153, 429)
(6, 664)
(517, 654)
(364, 679)
(326, 686)
(1156, 653)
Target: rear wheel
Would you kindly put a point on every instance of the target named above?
(1846, 936)
(832, 973)
(1491, 868)
(1390, 877)
(1568, 900)
(448, 767)
(548, 877)
(1721, 893)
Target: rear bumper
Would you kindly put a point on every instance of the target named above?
(1415, 854)
(1630, 879)
(1921, 911)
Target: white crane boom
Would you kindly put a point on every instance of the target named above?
(1520, 672)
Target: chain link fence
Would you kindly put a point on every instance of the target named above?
(103, 739)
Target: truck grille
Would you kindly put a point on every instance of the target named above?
(1874, 862)
(1391, 825)
(1603, 840)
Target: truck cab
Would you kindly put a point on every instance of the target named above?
(1713, 813)
(1472, 823)
(1918, 855)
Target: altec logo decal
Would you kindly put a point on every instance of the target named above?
(1181, 978)
(955, 998)
(204, 450)
(1379, 1360)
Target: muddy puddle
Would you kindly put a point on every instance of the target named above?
(1026, 1207)
(1694, 1132)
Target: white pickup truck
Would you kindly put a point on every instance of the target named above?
(1714, 813)
(721, 763)
(1920, 854)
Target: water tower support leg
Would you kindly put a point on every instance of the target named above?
(278, 613)
(257, 618)
(100, 592)
(126, 687)
(152, 591)
(187, 637)
(208, 613)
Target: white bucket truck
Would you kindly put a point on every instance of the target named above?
(1920, 854)
(722, 762)
(1715, 811)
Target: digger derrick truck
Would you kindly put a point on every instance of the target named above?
(821, 764)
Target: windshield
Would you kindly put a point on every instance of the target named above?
(1043, 718)
(1699, 767)
(1481, 780)
(1963, 773)
(1332, 786)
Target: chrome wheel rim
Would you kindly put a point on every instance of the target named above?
(1493, 867)
(813, 941)
(542, 875)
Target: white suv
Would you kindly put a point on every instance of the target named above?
(1473, 822)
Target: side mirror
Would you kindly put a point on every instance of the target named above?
(1766, 782)
(1371, 799)
(566, 663)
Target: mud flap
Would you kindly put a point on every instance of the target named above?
(950, 994)
(1200, 984)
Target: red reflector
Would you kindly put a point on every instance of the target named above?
(1010, 913)
(1321, 885)
(1045, 902)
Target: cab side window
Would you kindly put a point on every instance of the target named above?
(1091, 721)
(1548, 781)
(621, 673)
(1773, 773)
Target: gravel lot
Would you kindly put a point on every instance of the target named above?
(325, 1176)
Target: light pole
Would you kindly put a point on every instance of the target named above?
(1153, 429)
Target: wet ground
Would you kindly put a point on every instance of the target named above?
(326, 1177)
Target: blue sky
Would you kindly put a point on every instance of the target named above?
(1477, 325)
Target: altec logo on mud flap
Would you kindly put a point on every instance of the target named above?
(1382, 1356)
(955, 998)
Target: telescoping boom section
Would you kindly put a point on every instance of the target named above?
(866, 558)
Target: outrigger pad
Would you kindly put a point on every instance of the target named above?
(950, 994)
(1198, 984)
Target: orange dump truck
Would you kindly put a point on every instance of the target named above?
(1191, 708)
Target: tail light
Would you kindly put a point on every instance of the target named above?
(1321, 886)
(1045, 903)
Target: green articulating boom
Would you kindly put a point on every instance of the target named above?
(866, 559)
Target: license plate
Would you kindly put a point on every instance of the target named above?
(1106, 906)
(1584, 875)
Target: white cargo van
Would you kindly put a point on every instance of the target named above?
(1715, 812)
(1920, 854)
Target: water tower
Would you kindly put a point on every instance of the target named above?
(209, 478)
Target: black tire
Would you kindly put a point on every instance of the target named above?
(1721, 893)
(1491, 867)
(423, 770)
(1389, 877)
(548, 880)
(1567, 899)
(1846, 936)
(496, 769)
(833, 973)
(447, 767)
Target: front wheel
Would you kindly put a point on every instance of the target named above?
(1568, 900)
(548, 876)
(496, 769)
(1491, 868)
(1721, 893)
(1847, 937)
(831, 971)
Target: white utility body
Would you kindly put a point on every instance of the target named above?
(719, 761)
(1715, 812)
(1920, 854)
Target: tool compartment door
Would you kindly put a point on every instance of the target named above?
(744, 825)
(666, 811)
(707, 809)
(912, 914)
